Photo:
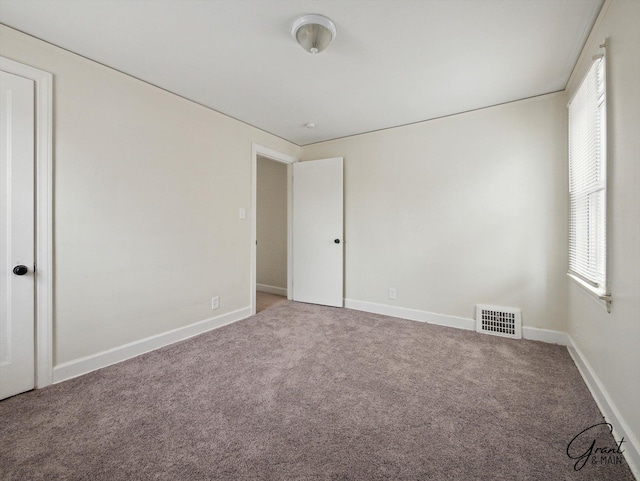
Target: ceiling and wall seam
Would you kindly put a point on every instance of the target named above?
(417, 122)
(359, 87)
(148, 83)
(584, 52)
(271, 133)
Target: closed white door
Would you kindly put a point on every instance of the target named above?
(17, 281)
(318, 252)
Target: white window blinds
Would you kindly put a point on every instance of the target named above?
(587, 179)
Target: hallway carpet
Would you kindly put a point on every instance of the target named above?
(264, 300)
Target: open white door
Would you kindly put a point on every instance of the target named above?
(318, 252)
(17, 282)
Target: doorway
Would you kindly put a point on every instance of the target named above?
(316, 226)
(271, 233)
(36, 273)
(274, 277)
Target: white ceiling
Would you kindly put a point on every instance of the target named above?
(392, 63)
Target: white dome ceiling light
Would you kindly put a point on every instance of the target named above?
(314, 32)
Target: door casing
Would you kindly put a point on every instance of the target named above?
(44, 216)
(259, 150)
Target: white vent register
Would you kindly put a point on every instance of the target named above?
(499, 321)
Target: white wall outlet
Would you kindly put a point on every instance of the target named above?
(242, 213)
(215, 302)
(392, 293)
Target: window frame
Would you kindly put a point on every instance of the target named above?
(597, 287)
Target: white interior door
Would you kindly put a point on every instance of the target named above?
(17, 341)
(318, 252)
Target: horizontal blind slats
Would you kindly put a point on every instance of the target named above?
(587, 193)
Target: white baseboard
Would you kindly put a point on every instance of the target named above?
(278, 291)
(545, 335)
(609, 410)
(84, 365)
(532, 333)
(412, 314)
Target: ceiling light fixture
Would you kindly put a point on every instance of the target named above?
(313, 32)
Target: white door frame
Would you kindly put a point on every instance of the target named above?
(44, 216)
(259, 150)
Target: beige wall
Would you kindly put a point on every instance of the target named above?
(147, 192)
(458, 211)
(611, 342)
(271, 223)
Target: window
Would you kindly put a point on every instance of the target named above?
(588, 182)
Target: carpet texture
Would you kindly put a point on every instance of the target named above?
(302, 392)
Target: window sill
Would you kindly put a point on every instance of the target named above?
(602, 299)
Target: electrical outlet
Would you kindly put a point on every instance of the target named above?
(392, 293)
(215, 302)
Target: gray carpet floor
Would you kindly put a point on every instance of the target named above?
(302, 392)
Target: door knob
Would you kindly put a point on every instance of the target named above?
(337, 241)
(20, 270)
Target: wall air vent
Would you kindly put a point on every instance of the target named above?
(499, 321)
